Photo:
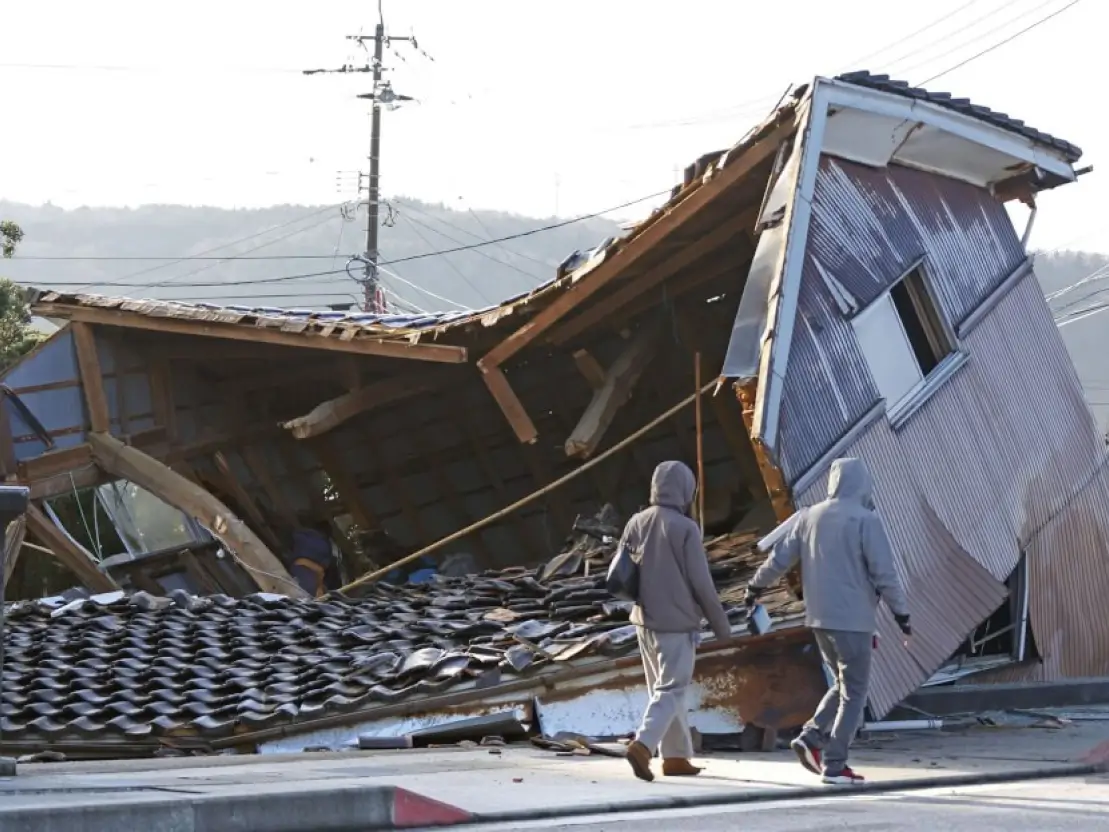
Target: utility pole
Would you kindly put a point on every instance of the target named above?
(381, 95)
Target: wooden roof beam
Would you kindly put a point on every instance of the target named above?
(69, 553)
(359, 344)
(688, 257)
(131, 464)
(680, 218)
(92, 382)
(510, 404)
(331, 414)
(620, 381)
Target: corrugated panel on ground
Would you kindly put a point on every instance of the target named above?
(868, 226)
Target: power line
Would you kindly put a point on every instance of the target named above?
(450, 263)
(478, 251)
(1001, 43)
(857, 62)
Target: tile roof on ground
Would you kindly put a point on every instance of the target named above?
(128, 668)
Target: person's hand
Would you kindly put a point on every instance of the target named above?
(906, 628)
(751, 596)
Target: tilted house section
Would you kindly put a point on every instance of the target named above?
(901, 322)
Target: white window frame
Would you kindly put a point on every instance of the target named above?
(925, 386)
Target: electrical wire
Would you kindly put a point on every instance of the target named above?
(857, 62)
(450, 263)
(1001, 43)
(911, 68)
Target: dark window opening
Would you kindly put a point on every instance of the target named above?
(921, 320)
(1007, 632)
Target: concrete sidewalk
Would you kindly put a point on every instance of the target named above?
(398, 789)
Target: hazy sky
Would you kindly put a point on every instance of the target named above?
(530, 107)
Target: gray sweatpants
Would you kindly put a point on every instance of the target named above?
(668, 660)
(837, 718)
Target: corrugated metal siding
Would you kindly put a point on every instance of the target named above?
(949, 591)
(868, 226)
(1005, 457)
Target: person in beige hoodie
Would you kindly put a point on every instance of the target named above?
(675, 592)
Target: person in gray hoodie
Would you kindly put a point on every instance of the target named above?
(675, 592)
(846, 567)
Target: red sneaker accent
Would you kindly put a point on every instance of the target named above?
(843, 777)
(808, 756)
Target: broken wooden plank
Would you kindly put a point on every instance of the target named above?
(360, 345)
(590, 368)
(678, 218)
(13, 545)
(52, 463)
(620, 381)
(510, 405)
(237, 491)
(330, 414)
(68, 552)
(169, 486)
(92, 381)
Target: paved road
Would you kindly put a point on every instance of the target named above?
(1078, 805)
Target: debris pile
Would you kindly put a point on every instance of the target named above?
(137, 666)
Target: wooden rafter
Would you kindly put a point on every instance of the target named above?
(13, 545)
(330, 414)
(349, 494)
(510, 404)
(357, 344)
(131, 464)
(619, 382)
(92, 381)
(685, 258)
(240, 495)
(70, 554)
(678, 219)
(161, 394)
(590, 368)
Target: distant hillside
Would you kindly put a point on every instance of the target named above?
(465, 279)
(469, 278)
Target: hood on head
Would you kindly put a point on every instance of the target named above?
(672, 485)
(850, 480)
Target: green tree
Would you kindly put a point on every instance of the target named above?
(17, 338)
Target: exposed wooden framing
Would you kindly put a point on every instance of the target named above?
(480, 452)
(675, 220)
(684, 258)
(7, 441)
(88, 362)
(13, 545)
(712, 271)
(330, 414)
(349, 493)
(597, 475)
(70, 554)
(294, 471)
(358, 345)
(161, 394)
(241, 496)
(730, 418)
(132, 464)
(53, 463)
(66, 482)
(590, 368)
(176, 348)
(620, 381)
(120, 385)
(260, 469)
(211, 444)
(510, 404)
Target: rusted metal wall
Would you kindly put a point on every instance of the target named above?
(1004, 458)
(868, 227)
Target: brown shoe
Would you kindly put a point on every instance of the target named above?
(679, 767)
(639, 758)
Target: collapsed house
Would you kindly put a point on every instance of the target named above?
(845, 280)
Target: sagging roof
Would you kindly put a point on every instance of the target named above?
(128, 668)
(884, 83)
